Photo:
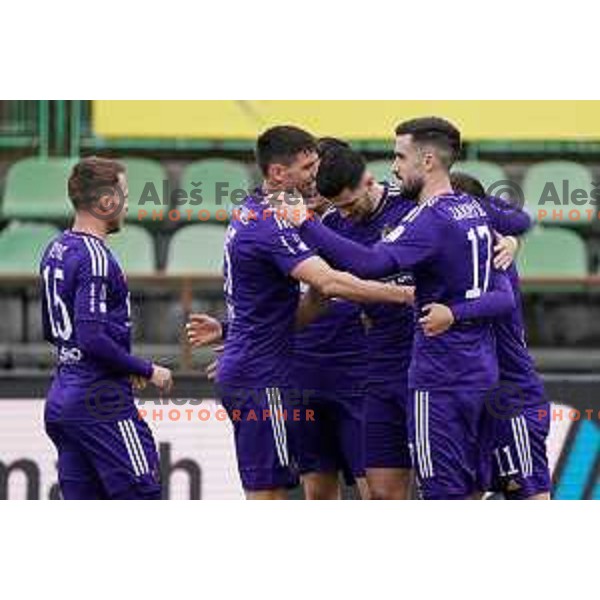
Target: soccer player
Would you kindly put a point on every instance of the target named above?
(357, 372)
(446, 241)
(264, 261)
(105, 451)
(334, 442)
(520, 466)
(330, 360)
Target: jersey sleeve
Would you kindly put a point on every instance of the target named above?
(346, 254)
(414, 241)
(285, 247)
(91, 283)
(96, 343)
(90, 308)
(498, 301)
(505, 218)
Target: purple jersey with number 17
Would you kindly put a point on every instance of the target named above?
(447, 242)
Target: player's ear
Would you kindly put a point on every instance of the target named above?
(277, 173)
(429, 161)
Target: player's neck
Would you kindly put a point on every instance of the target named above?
(87, 224)
(436, 186)
(375, 195)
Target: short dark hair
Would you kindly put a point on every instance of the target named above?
(435, 131)
(282, 144)
(467, 184)
(340, 168)
(92, 178)
(325, 144)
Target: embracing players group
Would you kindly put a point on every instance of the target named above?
(374, 332)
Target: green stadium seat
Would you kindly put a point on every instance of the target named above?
(142, 174)
(381, 169)
(210, 172)
(22, 245)
(36, 189)
(539, 176)
(486, 172)
(134, 249)
(197, 249)
(549, 252)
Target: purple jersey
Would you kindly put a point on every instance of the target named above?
(261, 250)
(447, 243)
(390, 335)
(84, 286)
(330, 353)
(334, 350)
(514, 360)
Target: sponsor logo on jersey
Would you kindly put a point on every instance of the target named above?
(69, 356)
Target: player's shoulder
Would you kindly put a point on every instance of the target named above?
(258, 226)
(458, 207)
(84, 252)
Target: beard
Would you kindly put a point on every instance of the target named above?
(411, 189)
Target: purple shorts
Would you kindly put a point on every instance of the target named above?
(263, 420)
(334, 440)
(106, 460)
(386, 428)
(520, 463)
(450, 437)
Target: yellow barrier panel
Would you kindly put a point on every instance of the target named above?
(350, 119)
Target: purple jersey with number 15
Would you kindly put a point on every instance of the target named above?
(83, 282)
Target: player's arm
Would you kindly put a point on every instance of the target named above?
(93, 337)
(312, 305)
(97, 344)
(508, 222)
(315, 272)
(411, 243)
(506, 218)
(500, 300)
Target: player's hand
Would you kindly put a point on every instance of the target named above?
(505, 251)
(203, 330)
(211, 369)
(436, 319)
(292, 207)
(162, 378)
(138, 382)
